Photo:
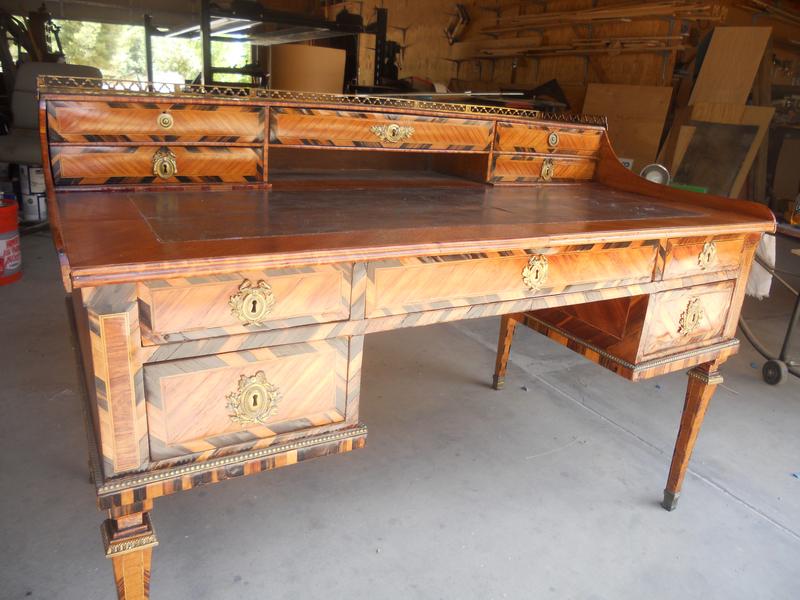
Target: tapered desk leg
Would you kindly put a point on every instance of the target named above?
(508, 323)
(703, 380)
(129, 541)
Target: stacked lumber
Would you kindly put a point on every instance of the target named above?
(626, 11)
(774, 12)
(579, 47)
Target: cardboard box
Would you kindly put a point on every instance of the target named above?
(307, 68)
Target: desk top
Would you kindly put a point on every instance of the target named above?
(133, 235)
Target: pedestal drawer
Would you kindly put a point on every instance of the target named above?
(517, 137)
(315, 127)
(203, 307)
(97, 121)
(522, 168)
(116, 165)
(694, 256)
(211, 402)
(417, 284)
(680, 320)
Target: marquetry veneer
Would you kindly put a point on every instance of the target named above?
(221, 321)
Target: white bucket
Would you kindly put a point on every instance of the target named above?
(31, 179)
(34, 208)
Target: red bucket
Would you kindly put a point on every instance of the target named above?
(10, 254)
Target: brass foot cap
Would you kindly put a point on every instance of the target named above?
(498, 382)
(670, 501)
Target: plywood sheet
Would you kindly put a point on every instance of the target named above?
(787, 174)
(715, 155)
(730, 65)
(635, 114)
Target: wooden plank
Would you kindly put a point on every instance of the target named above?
(730, 65)
(636, 115)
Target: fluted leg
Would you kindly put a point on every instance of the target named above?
(508, 323)
(129, 541)
(703, 381)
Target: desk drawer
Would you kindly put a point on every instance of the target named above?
(680, 320)
(94, 121)
(522, 168)
(207, 403)
(314, 127)
(695, 256)
(516, 137)
(418, 284)
(127, 165)
(203, 307)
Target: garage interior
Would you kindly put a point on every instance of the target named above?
(550, 487)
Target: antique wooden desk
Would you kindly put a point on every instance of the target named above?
(226, 250)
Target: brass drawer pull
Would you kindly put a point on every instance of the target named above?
(165, 120)
(534, 275)
(254, 401)
(547, 169)
(691, 317)
(552, 140)
(707, 255)
(165, 163)
(252, 303)
(392, 133)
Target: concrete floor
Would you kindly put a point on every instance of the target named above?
(549, 489)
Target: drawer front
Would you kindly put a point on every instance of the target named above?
(93, 122)
(694, 256)
(313, 127)
(516, 137)
(418, 284)
(203, 307)
(206, 403)
(680, 320)
(515, 168)
(119, 165)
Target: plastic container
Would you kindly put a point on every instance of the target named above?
(10, 253)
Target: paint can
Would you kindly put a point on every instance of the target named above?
(10, 253)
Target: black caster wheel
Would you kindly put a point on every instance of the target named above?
(774, 372)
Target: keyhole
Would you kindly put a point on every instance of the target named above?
(254, 307)
(164, 169)
(255, 401)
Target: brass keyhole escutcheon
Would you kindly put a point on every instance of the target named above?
(255, 400)
(392, 133)
(691, 317)
(165, 120)
(707, 255)
(165, 163)
(552, 140)
(547, 169)
(534, 275)
(253, 302)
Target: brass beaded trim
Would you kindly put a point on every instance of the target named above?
(94, 86)
(227, 461)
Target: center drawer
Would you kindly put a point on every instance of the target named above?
(315, 127)
(211, 402)
(203, 307)
(117, 165)
(427, 283)
(540, 138)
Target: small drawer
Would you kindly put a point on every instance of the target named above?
(680, 320)
(210, 402)
(517, 137)
(127, 165)
(527, 168)
(96, 121)
(419, 284)
(695, 256)
(313, 127)
(203, 307)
